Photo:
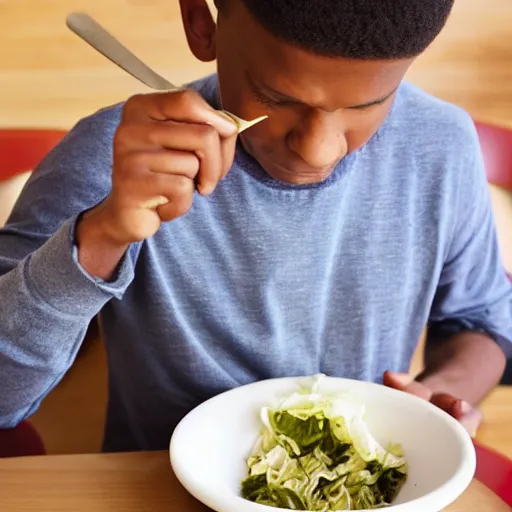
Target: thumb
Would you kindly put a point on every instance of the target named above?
(397, 380)
(471, 421)
(404, 382)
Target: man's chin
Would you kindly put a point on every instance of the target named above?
(292, 176)
(287, 175)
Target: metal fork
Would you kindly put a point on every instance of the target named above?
(101, 40)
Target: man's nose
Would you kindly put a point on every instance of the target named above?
(319, 140)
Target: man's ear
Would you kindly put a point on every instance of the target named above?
(200, 29)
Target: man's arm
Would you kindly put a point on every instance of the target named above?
(470, 325)
(73, 240)
(467, 366)
(47, 300)
(459, 373)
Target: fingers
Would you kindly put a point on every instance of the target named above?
(167, 146)
(183, 106)
(228, 148)
(468, 416)
(215, 155)
(397, 380)
(180, 201)
(170, 194)
(472, 421)
(404, 382)
(162, 161)
(170, 186)
(453, 406)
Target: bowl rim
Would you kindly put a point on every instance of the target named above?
(442, 496)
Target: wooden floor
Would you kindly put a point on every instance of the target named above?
(50, 78)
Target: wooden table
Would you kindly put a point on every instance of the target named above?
(496, 431)
(132, 482)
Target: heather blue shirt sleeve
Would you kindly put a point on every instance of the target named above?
(47, 299)
(473, 291)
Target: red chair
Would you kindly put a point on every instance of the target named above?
(21, 441)
(20, 151)
(493, 469)
(496, 143)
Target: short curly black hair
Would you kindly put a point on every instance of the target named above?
(357, 29)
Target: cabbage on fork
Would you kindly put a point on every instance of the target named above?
(316, 453)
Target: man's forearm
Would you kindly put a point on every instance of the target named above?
(467, 366)
(98, 253)
(47, 304)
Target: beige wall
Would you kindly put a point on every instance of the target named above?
(48, 77)
(470, 64)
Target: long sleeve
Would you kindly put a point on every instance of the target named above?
(46, 299)
(474, 292)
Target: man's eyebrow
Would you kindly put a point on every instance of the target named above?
(378, 101)
(280, 96)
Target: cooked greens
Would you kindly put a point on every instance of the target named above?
(316, 453)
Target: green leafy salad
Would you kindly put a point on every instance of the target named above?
(316, 453)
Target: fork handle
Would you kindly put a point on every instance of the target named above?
(101, 40)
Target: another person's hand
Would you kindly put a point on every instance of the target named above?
(470, 417)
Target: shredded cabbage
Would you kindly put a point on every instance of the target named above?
(317, 453)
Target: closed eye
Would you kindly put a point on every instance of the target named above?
(363, 107)
(265, 100)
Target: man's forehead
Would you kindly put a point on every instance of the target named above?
(300, 73)
(291, 70)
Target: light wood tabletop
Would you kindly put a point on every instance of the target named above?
(131, 482)
(495, 431)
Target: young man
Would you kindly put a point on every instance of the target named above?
(322, 240)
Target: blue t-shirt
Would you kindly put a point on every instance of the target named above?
(261, 279)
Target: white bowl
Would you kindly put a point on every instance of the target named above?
(209, 447)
